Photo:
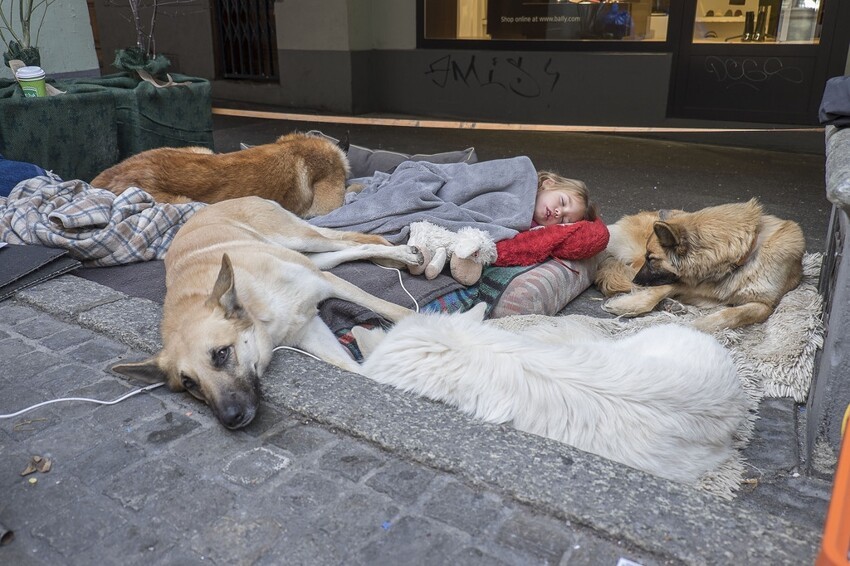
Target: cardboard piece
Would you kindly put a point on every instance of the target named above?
(22, 266)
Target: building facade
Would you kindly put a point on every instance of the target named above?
(640, 63)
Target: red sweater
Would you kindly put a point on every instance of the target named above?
(579, 240)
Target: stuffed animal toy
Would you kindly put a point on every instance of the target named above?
(468, 250)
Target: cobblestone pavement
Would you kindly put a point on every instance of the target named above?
(155, 479)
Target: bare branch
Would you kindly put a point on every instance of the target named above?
(47, 4)
(26, 10)
(8, 27)
(150, 46)
(145, 39)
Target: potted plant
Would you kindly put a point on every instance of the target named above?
(16, 25)
(109, 117)
(142, 57)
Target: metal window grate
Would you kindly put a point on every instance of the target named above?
(246, 39)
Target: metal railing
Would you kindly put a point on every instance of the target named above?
(246, 41)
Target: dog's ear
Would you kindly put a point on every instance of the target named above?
(224, 291)
(344, 143)
(368, 340)
(148, 371)
(669, 236)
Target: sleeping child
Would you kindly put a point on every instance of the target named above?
(561, 201)
(503, 198)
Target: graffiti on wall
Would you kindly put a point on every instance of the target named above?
(512, 74)
(751, 73)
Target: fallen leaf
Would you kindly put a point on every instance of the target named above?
(37, 464)
(44, 465)
(33, 481)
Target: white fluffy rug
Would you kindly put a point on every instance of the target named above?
(774, 359)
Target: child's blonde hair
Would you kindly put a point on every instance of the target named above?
(572, 186)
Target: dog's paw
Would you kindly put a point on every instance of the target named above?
(411, 255)
(402, 257)
(673, 306)
(624, 305)
(706, 324)
(419, 268)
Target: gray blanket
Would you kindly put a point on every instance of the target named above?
(495, 196)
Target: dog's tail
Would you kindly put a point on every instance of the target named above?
(344, 144)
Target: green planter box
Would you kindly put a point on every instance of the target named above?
(100, 121)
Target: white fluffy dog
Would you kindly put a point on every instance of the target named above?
(666, 400)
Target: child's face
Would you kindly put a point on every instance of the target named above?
(557, 207)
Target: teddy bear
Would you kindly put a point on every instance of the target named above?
(468, 250)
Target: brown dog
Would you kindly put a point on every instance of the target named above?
(731, 254)
(244, 276)
(303, 173)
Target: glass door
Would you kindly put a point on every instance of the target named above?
(757, 60)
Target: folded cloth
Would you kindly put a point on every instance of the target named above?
(495, 196)
(13, 172)
(96, 226)
(835, 104)
(579, 240)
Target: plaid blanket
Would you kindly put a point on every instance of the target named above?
(96, 226)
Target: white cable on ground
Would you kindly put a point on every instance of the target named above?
(98, 401)
(400, 282)
(295, 350)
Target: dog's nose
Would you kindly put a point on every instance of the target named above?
(233, 416)
(236, 413)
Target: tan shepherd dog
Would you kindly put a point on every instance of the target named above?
(304, 173)
(244, 276)
(732, 254)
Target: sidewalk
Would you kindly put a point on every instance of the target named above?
(337, 469)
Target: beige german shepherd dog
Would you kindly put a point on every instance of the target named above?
(731, 254)
(304, 173)
(242, 277)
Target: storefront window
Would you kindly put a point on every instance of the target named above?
(552, 20)
(759, 21)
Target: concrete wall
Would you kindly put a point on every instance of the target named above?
(359, 56)
(324, 50)
(536, 87)
(345, 25)
(66, 43)
(356, 56)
